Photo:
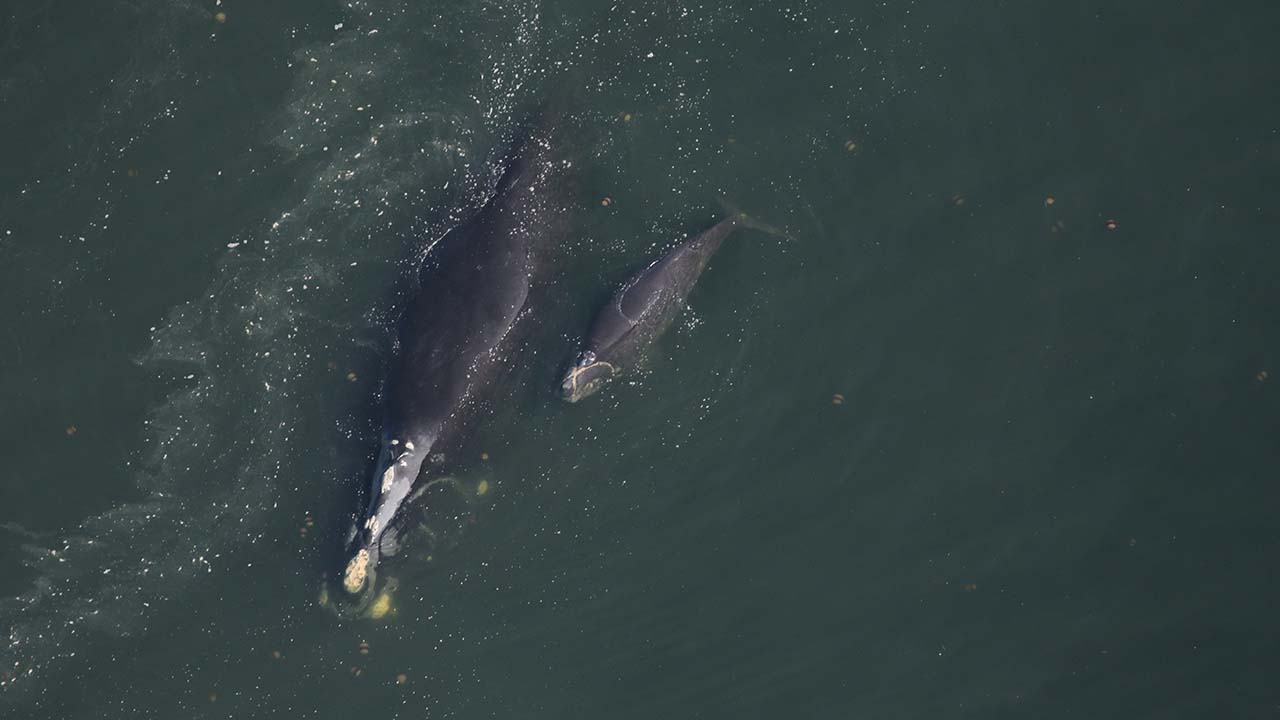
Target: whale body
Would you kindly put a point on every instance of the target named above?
(454, 340)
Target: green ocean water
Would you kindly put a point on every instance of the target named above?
(993, 434)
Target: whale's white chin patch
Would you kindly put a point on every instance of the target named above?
(356, 572)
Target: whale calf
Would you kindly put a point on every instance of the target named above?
(454, 339)
(643, 307)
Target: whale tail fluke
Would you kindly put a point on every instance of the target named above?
(742, 219)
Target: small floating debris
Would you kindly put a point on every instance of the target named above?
(1049, 201)
(131, 172)
(1112, 224)
(482, 488)
(276, 654)
(850, 146)
(484, 456)
(606, 202)
(970, 587)
(837, 399)
(959, 200)
(71, 430)
(233, 245)
(402, 679)
(364, 648)
(356, 671)
(220, 17)
(1262, 377)
(625, 116)
(351, 376)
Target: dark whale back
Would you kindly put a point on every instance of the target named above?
(646, 304)
(643, 308)
(474, 285)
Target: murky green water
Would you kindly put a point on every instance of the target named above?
(993, 435)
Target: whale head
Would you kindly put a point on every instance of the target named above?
(374, 535)
(356, 581)
(587, 375)
(356, 590)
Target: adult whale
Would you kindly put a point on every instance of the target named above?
(455, 336)
(644, 306)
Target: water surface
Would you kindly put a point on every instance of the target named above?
(991, 435)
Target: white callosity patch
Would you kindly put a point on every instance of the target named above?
(400, 471)
(357, 571)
